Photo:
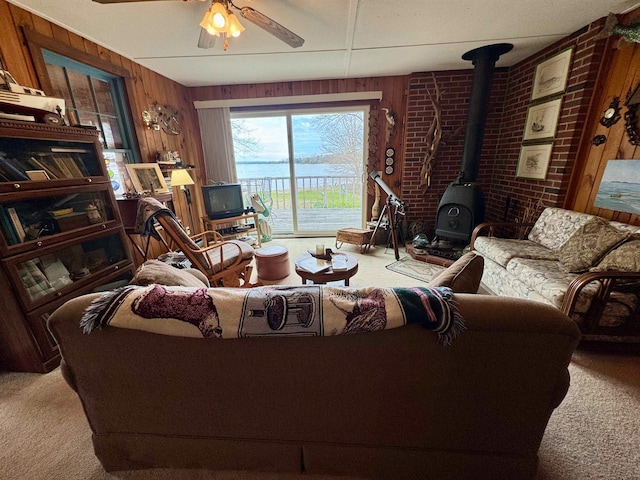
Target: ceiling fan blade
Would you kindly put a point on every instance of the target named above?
(206, 40)
(274, 28)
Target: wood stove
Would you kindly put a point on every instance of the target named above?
(462, 205)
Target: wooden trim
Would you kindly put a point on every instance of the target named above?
(37, 41)
(289, 100)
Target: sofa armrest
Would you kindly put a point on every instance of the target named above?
(494, 227)
(608, 281)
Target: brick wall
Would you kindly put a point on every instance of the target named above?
(508, 104)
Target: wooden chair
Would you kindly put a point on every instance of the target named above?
(225, 263)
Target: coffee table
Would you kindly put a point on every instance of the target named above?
(328, 275)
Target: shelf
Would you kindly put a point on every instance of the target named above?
(222, 224)
(61, 234)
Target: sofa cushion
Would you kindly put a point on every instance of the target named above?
(501, 250)
(155, 271)
(625, 258)
(589, 244)
(555, 225)
(231, 250)
(463, 276)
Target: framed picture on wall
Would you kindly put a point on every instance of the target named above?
(534, 161)
(542, 120)
(147, 178)
(551, 75)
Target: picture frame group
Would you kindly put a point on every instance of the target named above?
(541, 125)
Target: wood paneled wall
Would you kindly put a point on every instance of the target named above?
(619, 75)
(144, 86)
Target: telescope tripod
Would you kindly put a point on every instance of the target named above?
(393, 223)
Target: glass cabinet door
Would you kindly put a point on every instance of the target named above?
(29, 159)
(53, 272)
(35, 217)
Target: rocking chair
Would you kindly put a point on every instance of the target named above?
(225, 263)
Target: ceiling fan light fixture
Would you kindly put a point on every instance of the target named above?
(235, 27)
(207, 23)
(219, 16)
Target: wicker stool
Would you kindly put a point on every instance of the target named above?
(272, 262)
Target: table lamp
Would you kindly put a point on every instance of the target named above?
(181, 178)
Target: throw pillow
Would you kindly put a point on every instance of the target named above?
(588, 245)
(155, 271)
(625, 258)
(463, 276)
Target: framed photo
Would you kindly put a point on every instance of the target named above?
(534, 161)
(551, 75)
(147, 178)
(542, 120)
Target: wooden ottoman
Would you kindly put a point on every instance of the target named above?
(355, 236)
(272, 262)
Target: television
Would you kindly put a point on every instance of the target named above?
(223, 201)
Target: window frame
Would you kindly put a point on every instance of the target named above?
(37, 42)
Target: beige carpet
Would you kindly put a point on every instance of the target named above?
(594, 434)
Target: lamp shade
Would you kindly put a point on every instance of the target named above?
(180, 177)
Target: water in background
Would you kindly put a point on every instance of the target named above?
(274, 170)
(620, 196)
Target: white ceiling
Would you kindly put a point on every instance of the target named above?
(343, 38)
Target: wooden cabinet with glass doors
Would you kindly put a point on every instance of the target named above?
(61, 234)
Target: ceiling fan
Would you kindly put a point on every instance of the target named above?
(219, 21)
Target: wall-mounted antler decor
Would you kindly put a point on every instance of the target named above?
(433, 137)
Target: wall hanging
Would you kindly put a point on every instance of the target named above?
(619, 188)
(542, 120)
(534, 161)
(551, 75)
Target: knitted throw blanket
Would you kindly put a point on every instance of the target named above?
(317, 310)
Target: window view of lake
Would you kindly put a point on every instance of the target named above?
(327, 169)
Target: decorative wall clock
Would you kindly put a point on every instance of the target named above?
(612, 114)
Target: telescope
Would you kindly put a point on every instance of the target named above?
(391, 196)
(394, 201)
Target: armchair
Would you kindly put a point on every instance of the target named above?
(224, 263)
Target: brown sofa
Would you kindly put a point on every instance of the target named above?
(390, 404)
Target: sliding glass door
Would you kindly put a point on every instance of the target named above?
(307, 166)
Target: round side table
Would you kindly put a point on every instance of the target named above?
(328, 275)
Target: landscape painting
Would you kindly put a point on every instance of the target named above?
(620, 187)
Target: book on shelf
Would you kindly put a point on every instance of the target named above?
(37, 175)
(71, 164)
(313, 265)
(10, 171)
(62, 166)
(39, 165)
(45, 164)
(17, 224)
(77, 158)
(7, 227)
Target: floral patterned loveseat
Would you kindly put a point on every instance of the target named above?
(584, 265)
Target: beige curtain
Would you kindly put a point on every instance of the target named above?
(217, 143)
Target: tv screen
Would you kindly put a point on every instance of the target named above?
(223, 201)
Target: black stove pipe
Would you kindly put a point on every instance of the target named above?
(484, 60)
